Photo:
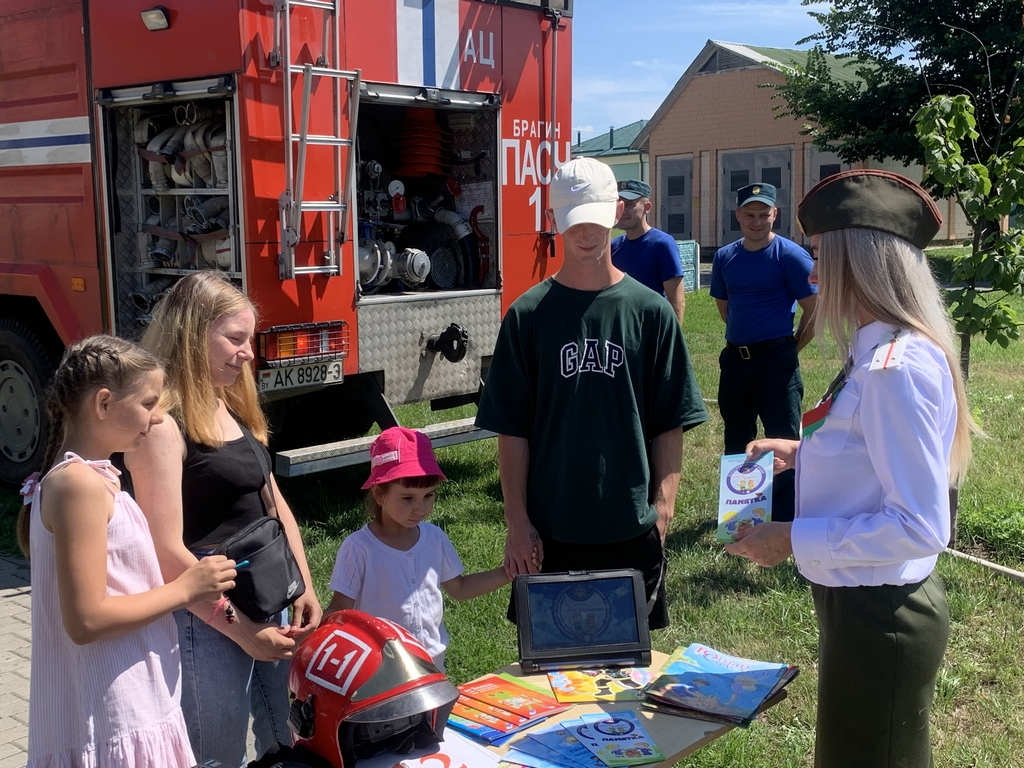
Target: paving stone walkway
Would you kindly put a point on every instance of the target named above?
(15, 653)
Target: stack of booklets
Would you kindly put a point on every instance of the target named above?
(609, 684)
(591, 741)
(705, 684)
(494, 707)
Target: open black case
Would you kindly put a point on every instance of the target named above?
(582, 619)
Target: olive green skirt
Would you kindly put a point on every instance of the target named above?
(879, 653)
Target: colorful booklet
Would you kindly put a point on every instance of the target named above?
(692, 714)
(498, 712)
(537, 751)
(512, 697)
(484, 718)
(705, 680)
(611, 684)
(560, 740)
(744, 494)
(616, 738)
(479, 732)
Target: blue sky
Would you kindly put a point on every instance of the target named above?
(628, 55)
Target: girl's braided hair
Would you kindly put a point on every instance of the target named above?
(94, 363)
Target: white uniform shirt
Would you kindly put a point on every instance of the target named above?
(404, 587)
(873, 480)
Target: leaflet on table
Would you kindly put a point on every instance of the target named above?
(529, 750)
(482, 732)
(455, 751)
(562, 741)
(744, 494)
(701, 678)
(503, 714)
(616, 738)
(467, 711)
(654, 705)
(611, 684)
(511, 696)
(542, 689)
(485, 733)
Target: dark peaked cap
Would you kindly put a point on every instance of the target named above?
(870, 199)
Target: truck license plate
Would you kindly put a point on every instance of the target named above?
(295, 376)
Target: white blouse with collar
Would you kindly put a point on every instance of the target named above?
(873, 480)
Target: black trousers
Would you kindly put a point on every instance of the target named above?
(879, 653)
(644, 553)
(766, 386)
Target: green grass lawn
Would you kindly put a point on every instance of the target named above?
(732, 604)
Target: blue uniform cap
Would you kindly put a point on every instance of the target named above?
(633, 189)
(756, 193)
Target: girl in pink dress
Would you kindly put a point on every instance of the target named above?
(105, 675)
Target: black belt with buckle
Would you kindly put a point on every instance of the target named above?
(747, 351)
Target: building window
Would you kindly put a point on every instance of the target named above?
(772, 176)
(677, 223)
(676, 185)
(738, 180)
(830, 169)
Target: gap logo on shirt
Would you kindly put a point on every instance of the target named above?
(589, 359)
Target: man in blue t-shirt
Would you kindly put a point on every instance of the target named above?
(646, 254)
(757, 282)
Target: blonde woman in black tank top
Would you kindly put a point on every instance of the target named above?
(199, 481)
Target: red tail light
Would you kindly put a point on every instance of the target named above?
(305, 343)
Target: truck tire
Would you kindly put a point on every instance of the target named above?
(25, 370)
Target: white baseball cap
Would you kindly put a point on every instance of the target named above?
(583, 191)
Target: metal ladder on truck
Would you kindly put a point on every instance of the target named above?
(291, 204)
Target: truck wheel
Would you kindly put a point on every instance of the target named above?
(25, 369)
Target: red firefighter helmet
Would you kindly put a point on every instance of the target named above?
(364, 685)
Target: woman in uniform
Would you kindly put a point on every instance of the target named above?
(874, 467)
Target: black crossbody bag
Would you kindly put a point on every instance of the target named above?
(272, 580)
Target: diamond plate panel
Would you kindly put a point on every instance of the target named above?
(392, 338)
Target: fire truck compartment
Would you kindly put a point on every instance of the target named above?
(172, 192)
(427, 191)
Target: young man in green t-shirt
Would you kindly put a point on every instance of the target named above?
(590, 389)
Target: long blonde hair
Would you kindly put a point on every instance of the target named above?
(94, 363)
(891, 280)
(180, 336)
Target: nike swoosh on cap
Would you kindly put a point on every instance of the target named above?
(579, 187)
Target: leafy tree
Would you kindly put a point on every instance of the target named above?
(938, 82)
(988, 184)
(903, 52)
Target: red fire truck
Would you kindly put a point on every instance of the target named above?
(372, 173)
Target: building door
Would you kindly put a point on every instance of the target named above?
(768, 166)
(675, 195)
(821, 165)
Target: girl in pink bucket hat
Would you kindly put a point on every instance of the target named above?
(396, 565)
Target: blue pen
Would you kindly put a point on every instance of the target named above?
(241, 564)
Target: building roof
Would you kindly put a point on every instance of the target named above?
(719, 56)
(841, 69)
(615, 141)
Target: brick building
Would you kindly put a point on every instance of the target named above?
(717, 131)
